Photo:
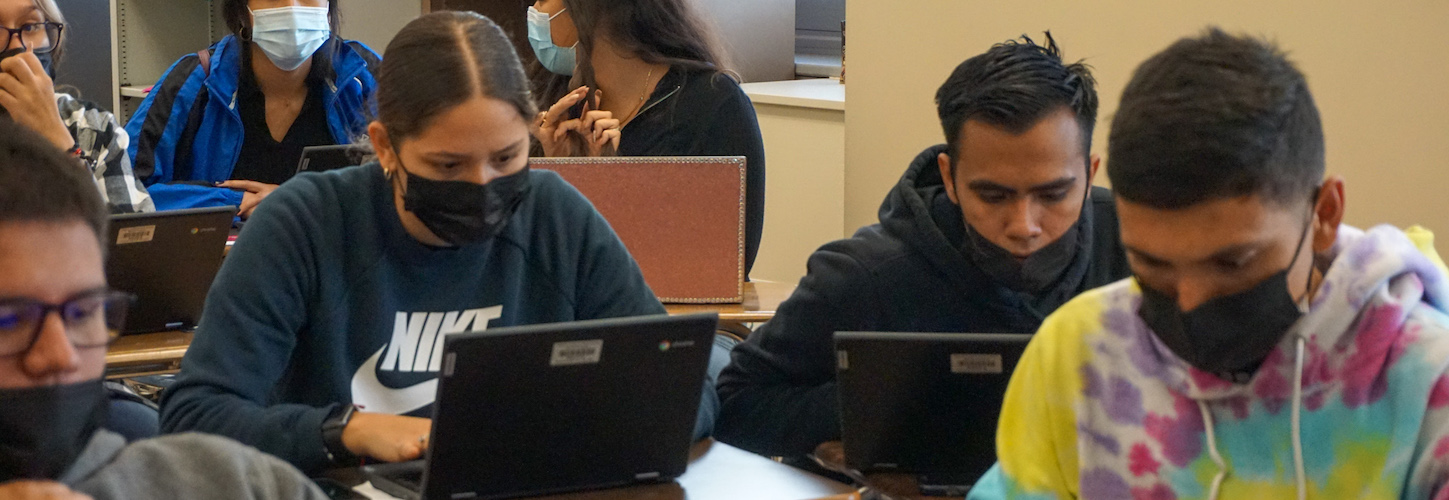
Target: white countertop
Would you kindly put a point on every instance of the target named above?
(817, 93)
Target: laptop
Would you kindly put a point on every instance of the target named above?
(544, 409)
(924, 403)
(324, 158)
(168, 260)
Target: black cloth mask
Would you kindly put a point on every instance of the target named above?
(43, 430)
(1040, 271)
(47, 63)
(1037, 273)
(1228, 336)
(461, 212)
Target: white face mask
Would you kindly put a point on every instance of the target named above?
(559, 60)
(289, 35)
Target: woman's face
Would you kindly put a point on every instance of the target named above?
(16, 13)
(562, 26)
(477, 141)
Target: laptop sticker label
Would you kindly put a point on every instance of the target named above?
(577, 352)
(842, 360)
(138, 234)
(976, 363)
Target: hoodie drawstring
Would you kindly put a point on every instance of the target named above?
(1299, 474)
(1212, 442)
(1300, 477)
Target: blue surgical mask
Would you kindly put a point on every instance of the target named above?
(559, 60)
(290, 35)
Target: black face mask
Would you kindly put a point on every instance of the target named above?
(44, 429)
(47, 63)
(1040, 270)
(1229, 336)
(1037, 273)
(462, 212)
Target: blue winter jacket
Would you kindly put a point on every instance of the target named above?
(187, 134)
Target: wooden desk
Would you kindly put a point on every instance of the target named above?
(146, 354)
(761, 300)
(716, 472)
(152, 353)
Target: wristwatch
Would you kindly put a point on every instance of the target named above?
(332, 429)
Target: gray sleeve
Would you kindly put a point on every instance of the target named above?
(198, 466)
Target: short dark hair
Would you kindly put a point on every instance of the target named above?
(1212, 117)
(237, 16)
(41, 183)
(1013, 86)
(441, 60)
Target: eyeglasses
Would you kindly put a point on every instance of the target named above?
(91, 320)
(40, 38)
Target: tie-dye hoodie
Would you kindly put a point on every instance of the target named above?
(1100, 409)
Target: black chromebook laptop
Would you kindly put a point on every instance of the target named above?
(560, 407)
(168, 260)
(924, 403)
(324, 158)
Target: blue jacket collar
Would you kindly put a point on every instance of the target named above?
(224, 77)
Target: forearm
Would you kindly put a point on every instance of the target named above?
(290, 432)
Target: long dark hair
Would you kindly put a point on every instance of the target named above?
(657, 31)
(441, 60)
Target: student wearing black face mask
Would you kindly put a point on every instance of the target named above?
(320, 339)
(56, 318)
(31, 42)
(1261, 350)
(988, 233)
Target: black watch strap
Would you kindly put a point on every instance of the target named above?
(332, 429)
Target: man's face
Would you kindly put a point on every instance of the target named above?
(50, 262)
(1225, 246)
(1020, 191)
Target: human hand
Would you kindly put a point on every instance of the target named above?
(28, 95)
(601, 129)
(254, 193)
(598, 129)
(389, 438)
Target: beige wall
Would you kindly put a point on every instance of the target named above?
(1378, 69)
(804, 187)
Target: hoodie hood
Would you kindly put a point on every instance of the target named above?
(99, 451)
(919, 212)
(1373, 281)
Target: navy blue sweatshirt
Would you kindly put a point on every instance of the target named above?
(905, 274)
(326, 300)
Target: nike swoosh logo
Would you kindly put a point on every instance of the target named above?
(369, 393)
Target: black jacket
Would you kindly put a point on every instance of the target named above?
(905, 274)
(704, 113)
